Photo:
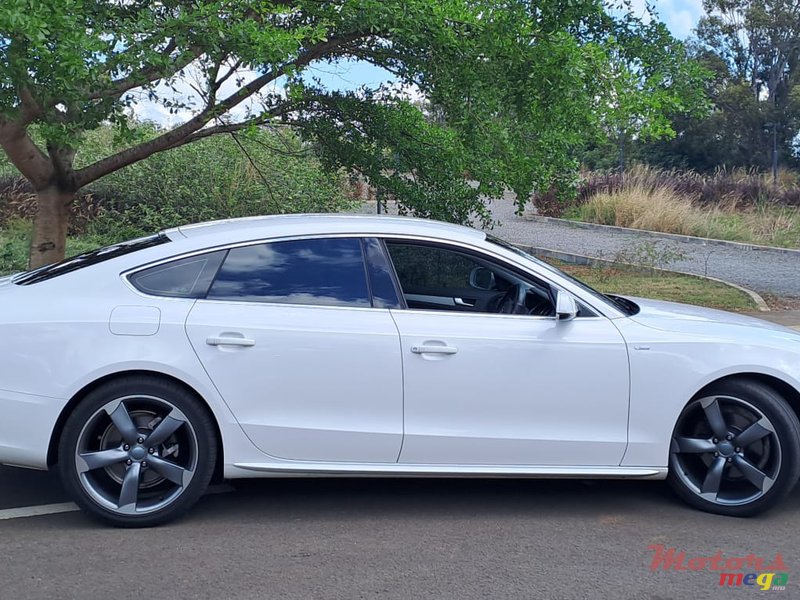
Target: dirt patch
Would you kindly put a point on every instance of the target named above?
(782, 302)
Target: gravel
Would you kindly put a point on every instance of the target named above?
(760, 270)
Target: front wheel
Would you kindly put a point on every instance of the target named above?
(137, 452)
(735, 450)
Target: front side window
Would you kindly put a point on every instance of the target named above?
(319, 272)
(433, 277)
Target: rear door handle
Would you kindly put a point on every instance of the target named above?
(430, 349)
(230, 341)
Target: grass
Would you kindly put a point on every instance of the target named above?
(645, 199)
(673, 287)
(663, 210)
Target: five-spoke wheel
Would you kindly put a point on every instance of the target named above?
(735, 449)
(137, 451)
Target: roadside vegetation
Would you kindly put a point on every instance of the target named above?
(659, 285)
(736, 205)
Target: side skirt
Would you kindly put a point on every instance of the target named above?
(244, 470)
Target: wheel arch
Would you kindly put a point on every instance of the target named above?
(52, 450)
(786, 390)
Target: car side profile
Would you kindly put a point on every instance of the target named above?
(376, 346)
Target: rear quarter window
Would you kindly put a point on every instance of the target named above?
(188, 277)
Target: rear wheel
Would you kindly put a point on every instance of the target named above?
(735, 450)
(137, 452)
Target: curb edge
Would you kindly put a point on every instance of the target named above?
(689, 239)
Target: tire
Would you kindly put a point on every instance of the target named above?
(137, 451)
(735, 449)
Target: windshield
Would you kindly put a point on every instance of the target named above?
(618, 303)
(88, 258)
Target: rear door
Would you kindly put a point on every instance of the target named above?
(310, 368)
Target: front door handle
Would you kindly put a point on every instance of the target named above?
(431, 349)
(230, 341)
(461, 302)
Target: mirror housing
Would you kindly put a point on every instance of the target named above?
(566, 307)
(482, 278)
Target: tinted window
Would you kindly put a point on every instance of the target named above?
(327, 272)
(185, 278)
(421, 267)
(437, 278)
(384, 293)
(89, 258)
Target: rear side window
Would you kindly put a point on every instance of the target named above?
(319, 272)
(184, 278)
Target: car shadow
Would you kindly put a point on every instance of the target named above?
(422, 497)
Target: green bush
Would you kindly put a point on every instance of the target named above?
(15, 240)
(257, 173)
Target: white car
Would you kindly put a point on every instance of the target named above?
(376, 346)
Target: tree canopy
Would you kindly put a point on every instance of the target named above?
(751, 48)
(511, 87)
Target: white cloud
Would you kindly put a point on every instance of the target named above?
(184, 90)
(681, 16)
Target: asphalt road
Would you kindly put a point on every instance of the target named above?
(406, 538)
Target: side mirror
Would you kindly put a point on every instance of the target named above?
(482, 278)
(566, 307)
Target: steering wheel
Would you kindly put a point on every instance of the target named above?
(513, 303)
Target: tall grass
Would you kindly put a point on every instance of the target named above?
(689, 204)
(739, 187)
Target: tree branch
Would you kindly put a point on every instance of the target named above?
(144, 76)
(25, 155)
(175, 137)
(218, 83)
(30, 108)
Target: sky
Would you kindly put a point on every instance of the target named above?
(680, 16)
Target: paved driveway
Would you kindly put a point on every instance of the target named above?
(389, 539)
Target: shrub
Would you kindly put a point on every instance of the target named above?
(15, 240)
(646, 199)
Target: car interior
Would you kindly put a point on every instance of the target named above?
(436, 278)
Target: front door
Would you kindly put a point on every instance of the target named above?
(486, 388)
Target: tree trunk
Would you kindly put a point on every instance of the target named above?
(49, 240)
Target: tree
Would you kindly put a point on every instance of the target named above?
(517, 83)
(752, 49)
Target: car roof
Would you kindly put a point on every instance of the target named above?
(250, 228)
